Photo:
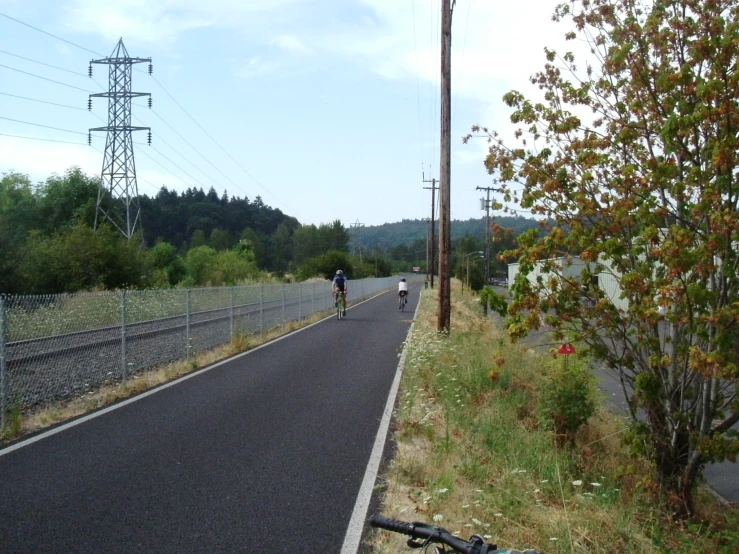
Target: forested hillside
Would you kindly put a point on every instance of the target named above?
(48, 243)
(408, 231)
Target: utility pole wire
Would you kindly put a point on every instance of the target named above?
(217, 143)
(433, 189)
(156, 81)
(42, 139)
(418, 86)
(44, 126)
(49, 34)
(95, 115)
(188, 160)
(45, 78)
(487, 230)
(43, 63)
(43, 101)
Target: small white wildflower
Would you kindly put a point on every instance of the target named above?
(465, 505)
(544, 481)
(438, 517)
(577, 483)
(537, 491)
(498, 515)
(553, 539)
(442, 491)
(487, 536)
(427, 499)
(479, 490)
(596, 484)
(476, 521)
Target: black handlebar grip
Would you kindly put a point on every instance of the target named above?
(392, 524)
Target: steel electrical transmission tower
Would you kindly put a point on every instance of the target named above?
(118, 193)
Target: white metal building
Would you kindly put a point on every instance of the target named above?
(608, 280)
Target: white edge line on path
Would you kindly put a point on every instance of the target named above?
(359, 514)
(138, 397)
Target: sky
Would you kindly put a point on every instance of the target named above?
(327, 109)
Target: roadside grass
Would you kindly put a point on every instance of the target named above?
(474, 455)
(20, 423)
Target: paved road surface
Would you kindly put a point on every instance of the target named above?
(264, 453)
(722, 477)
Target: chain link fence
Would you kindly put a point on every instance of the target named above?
(55, 347)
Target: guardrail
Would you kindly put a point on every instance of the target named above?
(56, 347)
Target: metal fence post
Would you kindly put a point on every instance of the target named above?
(300, 301)
(313, 298)
(187, 321)
(124, 366)
(3, 363)
(283, 304)
(261, 309)
(231, 311)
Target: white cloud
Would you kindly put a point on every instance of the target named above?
(292, 44)
(163, 21)
(496, 47)
(39, 160)
(258, 66)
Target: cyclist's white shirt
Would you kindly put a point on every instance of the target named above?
(402, 286)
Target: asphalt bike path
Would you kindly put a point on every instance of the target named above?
(263, 453)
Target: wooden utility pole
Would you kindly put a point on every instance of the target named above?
(432, 223)
(445, 238)
(356, 226)
(486, 207)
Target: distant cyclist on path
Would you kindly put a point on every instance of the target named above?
(402, 292)
(340, 284)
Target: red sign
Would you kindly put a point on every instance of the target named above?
(567, 348)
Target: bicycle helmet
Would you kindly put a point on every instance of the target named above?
(402, 280)
(339, 272)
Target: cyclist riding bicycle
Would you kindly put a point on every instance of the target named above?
(402, 292)
(339, 284)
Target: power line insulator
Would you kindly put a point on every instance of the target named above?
(149, 138)
(151, 69)
(149, 102)
(89, 71)
(89, 138)
(89, 104)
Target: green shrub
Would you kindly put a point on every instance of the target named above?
(567, 399)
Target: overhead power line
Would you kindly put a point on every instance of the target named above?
(418, 85)
(216, 142)
(44, 126)
(163, 89)
(43, 63)
(44, 78)
(188, 160)
(42, 139)
(49, 34)
(43, 101)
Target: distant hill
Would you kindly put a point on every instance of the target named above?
(408, 231)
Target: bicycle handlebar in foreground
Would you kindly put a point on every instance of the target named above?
(432, 534)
